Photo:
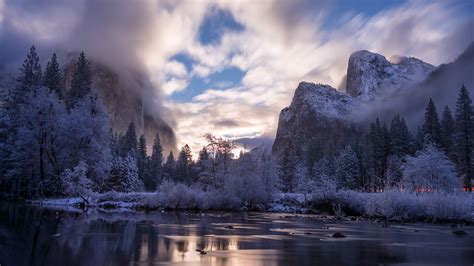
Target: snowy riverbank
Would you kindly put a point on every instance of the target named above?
(391, 205)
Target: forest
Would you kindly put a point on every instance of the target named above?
(58, 143)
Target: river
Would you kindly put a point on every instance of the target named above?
(34, 235)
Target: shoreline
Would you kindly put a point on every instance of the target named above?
(78, 205)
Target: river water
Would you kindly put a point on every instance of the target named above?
(32, 235)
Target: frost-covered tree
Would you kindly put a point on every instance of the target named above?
(220, 155)
(81, 81)
(347, 169)
(87, 132)
(463, 136)
(123, 175)
(155, 165)
(52, 77)
(430, 170)
(76, 183)
(431, 127)
(36, 143)
(252, 178)
(323, 167)
(129, 140)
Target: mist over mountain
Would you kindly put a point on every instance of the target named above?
(322, 120)
(127, 101)
(442, 85)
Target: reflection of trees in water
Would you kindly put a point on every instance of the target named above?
(94, 238)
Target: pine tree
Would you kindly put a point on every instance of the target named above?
(183, 164)
(30, 72)
(142, 161)
(347, 169)
(114, 143)
(123, 175)
(81, 81)
(399, 137)
(169, 168)
(129, 140)
(447, 131)
(287, 169)
(380, 140)
(53, 78)
(155, 168)
(203, 155)
(463, 136)
(431, 127)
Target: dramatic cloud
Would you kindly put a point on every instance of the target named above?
(274, 44)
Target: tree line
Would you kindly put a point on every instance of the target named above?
(57, 142)
(379, 159)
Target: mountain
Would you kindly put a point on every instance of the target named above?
(123, 96)
(317, 121)
(321, 120)
(369, 74)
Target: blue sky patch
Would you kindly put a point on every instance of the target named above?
(224, 79)
(186, 60)
(216, 22)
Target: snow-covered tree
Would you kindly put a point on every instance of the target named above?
(347, 169)
(87, 137)
(220, 153)
(36, 144)
(75, 181)
(463, 136)
(123, 175)
(252, 178)
(430, 169)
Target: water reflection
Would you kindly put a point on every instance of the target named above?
(38, 236)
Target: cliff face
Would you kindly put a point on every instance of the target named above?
(317, 120)
(124, 102)
(369, 74)
(322, 120)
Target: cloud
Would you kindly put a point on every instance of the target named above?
(279, 44)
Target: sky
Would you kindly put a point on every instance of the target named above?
(229, 67)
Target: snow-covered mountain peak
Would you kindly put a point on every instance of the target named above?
(320, 99)
(369, 74)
